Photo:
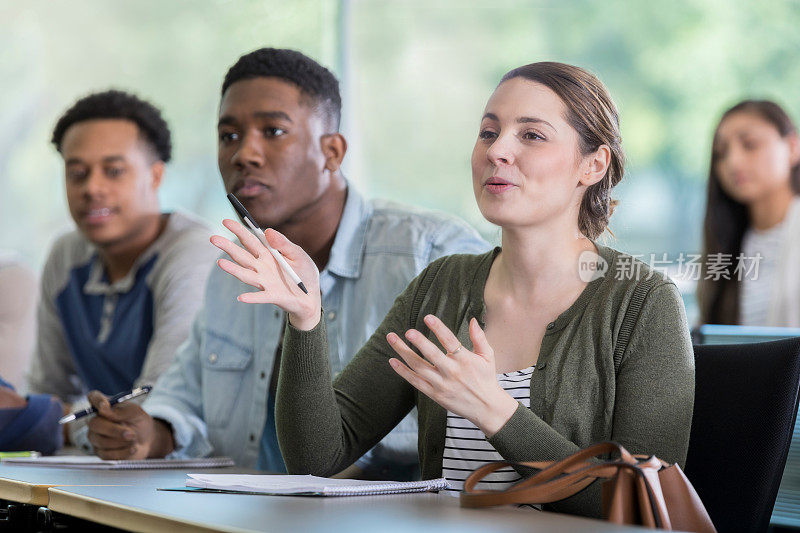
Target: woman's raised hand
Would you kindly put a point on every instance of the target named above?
(462, 381)
(254, 265)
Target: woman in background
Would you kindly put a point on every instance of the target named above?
(19, 292)
(753, 220)
(26, 422)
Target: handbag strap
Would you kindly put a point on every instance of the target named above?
(536, 491)
(555, 481)
(582, 456)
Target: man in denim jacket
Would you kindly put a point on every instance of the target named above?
(280, 153)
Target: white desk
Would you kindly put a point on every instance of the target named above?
(143, 509)
(29, 484)
(129, 500)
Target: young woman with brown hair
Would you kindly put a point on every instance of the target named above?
(523, 358)
(751, 267)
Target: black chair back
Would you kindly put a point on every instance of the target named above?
(746, 398)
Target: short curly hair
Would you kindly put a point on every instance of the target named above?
(310, 77)
(115, 104)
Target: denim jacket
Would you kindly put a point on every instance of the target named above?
(215, 393)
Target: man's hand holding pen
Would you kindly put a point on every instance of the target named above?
(126, 431)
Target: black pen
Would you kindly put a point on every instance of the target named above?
(114, 400)
(237, 205)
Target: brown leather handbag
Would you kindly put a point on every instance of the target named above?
(638, 490)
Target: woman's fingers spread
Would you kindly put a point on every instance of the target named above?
(245, 275)
(247, 239)
(412, 377)
(234, 251)
(480, 345)
(447, 338)
(260, 297)
(287, 248)
(428, 349)
(414, 361)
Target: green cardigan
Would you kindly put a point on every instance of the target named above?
(600, 376)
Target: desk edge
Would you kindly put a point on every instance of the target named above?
(24, 492)
(124, 516)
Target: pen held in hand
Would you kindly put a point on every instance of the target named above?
(248, 220)
(114, 400)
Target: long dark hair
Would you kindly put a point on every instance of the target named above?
(727, 220)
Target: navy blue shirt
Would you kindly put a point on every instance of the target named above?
(114, 336)
(106, 362)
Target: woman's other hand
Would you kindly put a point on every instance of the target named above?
(462, 381)
(253, 264)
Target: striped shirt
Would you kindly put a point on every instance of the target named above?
(466, 447)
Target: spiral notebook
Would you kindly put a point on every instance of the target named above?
(93, 462)
(304, 485)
